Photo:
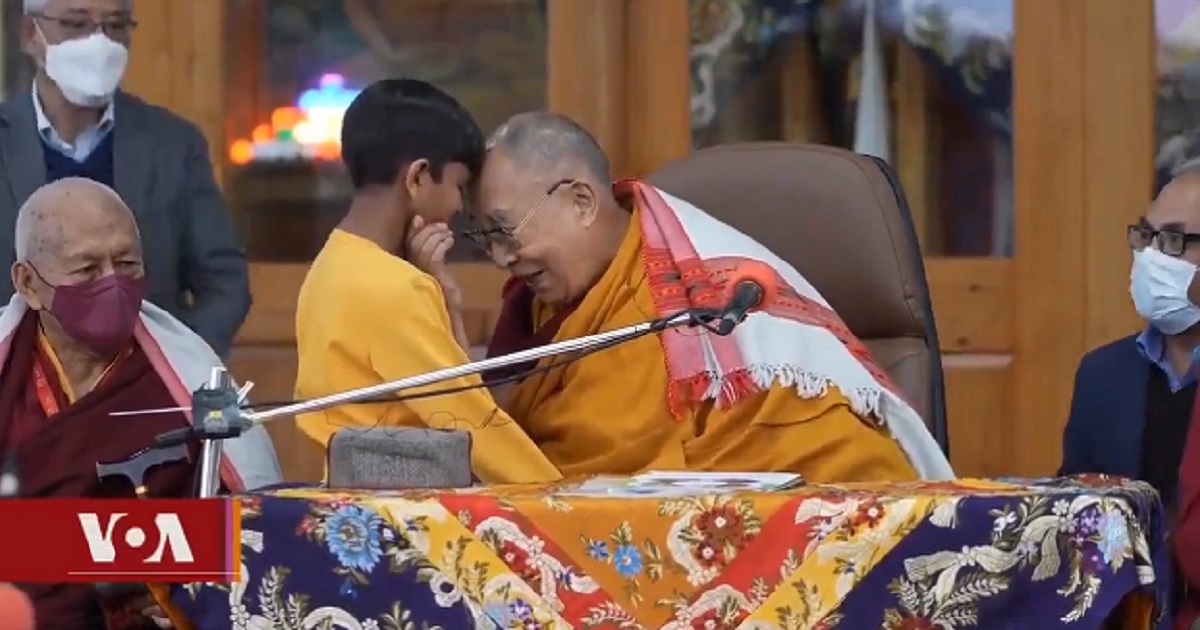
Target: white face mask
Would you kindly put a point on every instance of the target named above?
(1159, 286)
(87, 70)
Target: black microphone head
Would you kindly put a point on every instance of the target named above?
(747, 294)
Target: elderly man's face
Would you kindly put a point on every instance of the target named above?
(63, 20)
(537, 229)
(82, 245)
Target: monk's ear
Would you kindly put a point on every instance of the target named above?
(22, 280)
(586, 203)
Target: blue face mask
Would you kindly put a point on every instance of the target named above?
(1159, 285)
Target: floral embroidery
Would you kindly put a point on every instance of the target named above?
(627, 559)
(709, 533)
(528, 560)
(353, 534)
(1086, 537)
(910, 556)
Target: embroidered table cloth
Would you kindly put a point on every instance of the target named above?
(1030, 554)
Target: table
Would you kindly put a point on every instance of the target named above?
(1031, 554)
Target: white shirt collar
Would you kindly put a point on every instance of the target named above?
(43, 121)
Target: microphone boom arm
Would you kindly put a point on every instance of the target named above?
(589, 342)
(218, 417)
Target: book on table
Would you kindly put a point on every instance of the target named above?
(684, 483)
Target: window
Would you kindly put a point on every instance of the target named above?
(925, 84)
(294, 66)
(1177, 123)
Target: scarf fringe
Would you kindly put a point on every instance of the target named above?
(727, 389)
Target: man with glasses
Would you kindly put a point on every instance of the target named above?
(791, 390)
(76, 122)
(378, 303)
(1134, 398)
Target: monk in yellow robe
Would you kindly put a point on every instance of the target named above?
(791, 390)
(378, 303)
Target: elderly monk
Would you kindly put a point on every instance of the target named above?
(79, 343)
(790, 390)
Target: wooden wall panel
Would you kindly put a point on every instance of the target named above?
(978, 413)
(585, 69)
(972, 301)
(1083, 77)
(1050, 200)
(657, 103)
(177, 60)
(1120, 50)
(273, 370)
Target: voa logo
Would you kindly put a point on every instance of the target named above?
(121, 534)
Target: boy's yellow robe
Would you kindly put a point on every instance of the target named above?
(366, 317)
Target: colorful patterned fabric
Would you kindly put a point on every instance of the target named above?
(980, 554)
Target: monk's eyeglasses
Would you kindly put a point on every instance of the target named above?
(506, 237)
(1170, 242)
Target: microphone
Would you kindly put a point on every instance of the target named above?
(15, 608)
(751, 287)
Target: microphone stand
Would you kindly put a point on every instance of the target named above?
(217, 413)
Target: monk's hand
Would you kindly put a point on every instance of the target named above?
(158, 617)
(428, 245)
(152, 611)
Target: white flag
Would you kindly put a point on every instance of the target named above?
(871, 120)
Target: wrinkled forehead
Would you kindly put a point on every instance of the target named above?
(88, 234)
(507, 187)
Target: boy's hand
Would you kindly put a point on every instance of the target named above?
(427, 249)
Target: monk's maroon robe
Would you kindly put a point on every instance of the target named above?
(57, 453)
(515, 330)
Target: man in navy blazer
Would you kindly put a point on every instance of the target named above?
(1132, 405)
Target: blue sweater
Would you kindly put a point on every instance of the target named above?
(97, 167)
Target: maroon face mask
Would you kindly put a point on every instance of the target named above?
(100, 314)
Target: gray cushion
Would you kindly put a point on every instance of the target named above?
(399, 457)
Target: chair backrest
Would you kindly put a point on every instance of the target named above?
(842, 220)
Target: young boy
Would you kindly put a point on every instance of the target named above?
(369, 312)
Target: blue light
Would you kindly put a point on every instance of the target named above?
(332, 94)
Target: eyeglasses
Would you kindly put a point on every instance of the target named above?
(117, 28)
(1170, 242)
(506, 237)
